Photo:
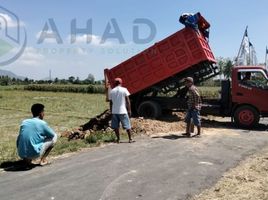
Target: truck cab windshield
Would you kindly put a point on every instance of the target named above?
(253, 79)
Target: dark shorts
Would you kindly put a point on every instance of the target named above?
(193, 114)
(123, 118)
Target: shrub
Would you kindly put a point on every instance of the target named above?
(96, 89)
(101, 136)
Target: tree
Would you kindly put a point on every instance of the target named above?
(5, 80)
(90, 78)
(71, 79)
(56, 80)
(63, 81)
(225, 65)
(227, 70)
(77, 81)
(220, 62)
(26, 80)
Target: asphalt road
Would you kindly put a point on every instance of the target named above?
(161, 168)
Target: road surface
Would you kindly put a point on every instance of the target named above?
(167, 167)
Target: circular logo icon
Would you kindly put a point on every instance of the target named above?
(13, 37)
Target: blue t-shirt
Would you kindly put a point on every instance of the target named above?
(192, 21)
(33, 133)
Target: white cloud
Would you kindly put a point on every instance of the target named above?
(94, 40)
(81, 51)
(7, 21)
(31, 57)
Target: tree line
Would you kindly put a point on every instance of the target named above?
(6, 80)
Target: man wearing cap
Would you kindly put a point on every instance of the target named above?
(194, 107)
(121, 108)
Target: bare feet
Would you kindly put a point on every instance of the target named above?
(44, 162)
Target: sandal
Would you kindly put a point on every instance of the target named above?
(45, 162)
(187, 134)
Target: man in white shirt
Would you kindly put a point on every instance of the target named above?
(121, 108)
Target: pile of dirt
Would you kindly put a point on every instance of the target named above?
(75, 134)
(99, 123)
(151, 127)
(172, 122)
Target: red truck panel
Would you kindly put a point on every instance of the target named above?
(243, 95)
(170, 56)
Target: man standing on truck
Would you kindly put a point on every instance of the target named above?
(196, 22)
(120, 108)
(194, 107)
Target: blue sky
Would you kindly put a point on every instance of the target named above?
(228, 20)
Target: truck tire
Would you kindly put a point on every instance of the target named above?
(149, 109)
(246, 116)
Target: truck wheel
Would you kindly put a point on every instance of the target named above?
(149, 109)
(246, 116)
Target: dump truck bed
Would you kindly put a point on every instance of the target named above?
(166, 58)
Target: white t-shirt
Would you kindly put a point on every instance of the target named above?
(118, 96)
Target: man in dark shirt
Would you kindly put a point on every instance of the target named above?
(194, 107)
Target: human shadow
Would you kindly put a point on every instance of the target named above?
(171, 137)
(18, 165)
(207, 123)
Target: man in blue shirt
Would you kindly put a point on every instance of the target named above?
(36, 139)
(196, 22)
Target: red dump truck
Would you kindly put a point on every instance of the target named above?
(155, 76)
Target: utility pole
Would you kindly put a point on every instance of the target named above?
(50, 78)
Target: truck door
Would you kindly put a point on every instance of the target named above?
(252, 89)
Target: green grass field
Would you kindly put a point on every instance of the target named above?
(210, 92)
(63, 111)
